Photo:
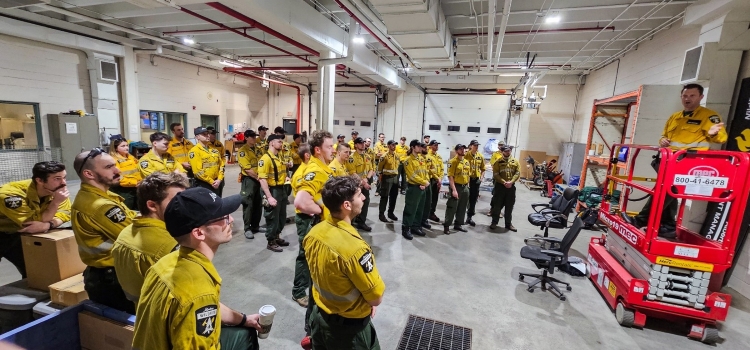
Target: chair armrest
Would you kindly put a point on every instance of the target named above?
(552, 253)
(534, 206)
(551, 216)
(546, 239)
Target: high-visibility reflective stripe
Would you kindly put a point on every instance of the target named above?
(101, 248)
(679, 145)
(353, 295)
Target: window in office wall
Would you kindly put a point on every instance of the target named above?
(364, 123)
(335, 122)
(153, 121)
(434, 127)
(454, 128)
(349, 123)
(473, 129)
(494, 130)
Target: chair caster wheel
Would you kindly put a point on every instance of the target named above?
(544, 288)
(569, 288)
(562, 298)
(520, 278)
(530, 290)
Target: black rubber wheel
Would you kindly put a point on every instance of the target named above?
(530, 289)
(520, 277)
(562, 298)
(710, 335)
(539, 181)
(569, 288)
(624, 316)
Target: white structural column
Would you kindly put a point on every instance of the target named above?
(129, 88)
(326, 89)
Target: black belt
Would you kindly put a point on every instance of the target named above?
(413, 185)
(474, 178)
(460, 185)
(340, 320)
(388, 176)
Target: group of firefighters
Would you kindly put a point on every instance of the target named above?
(156, 262)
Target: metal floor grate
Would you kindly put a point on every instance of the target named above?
(425, 334)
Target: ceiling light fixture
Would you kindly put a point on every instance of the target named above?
(188, 40)
(552, 19)
(230, 64)
(358, 40)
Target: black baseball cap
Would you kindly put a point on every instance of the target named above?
(262, 127)
(341, 136)
(355, 133)
(359, 140)
(250, 133)
(199, 130)
(414, 143)
(391, 142)
(195, 207)
(275, 137)
(459, 146)
(505, 148)
(433, 142)
(473, 142)
(279, 130)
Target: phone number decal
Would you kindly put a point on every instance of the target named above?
(710, 181)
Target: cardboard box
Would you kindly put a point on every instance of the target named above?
(100, 333)
(68, 291)
(50, 258)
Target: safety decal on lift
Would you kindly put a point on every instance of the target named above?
(604, 282)
(612, 289)
(685, 264)
(701, 180)
(686, 251)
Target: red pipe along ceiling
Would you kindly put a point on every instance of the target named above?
(291, 69)
(299, 93)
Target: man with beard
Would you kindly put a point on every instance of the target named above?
(360, 165)
(272, 176)
(260, 140)
(32, 206)
(158, 159)
(309, 205)
(180, 146)
(207, 163)
(348, 287)
(98, 217)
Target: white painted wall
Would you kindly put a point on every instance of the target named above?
(402, 115)
(53, 76)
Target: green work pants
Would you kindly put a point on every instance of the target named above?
(413, 206)
(276, 216)
(503, 197)
(362, 217)
(456, 207)
(102, 286)
(128, 195)
(251, 203)
(301, 270)
(238, 338)
(427, 202)
(388, 199)
(331, 332)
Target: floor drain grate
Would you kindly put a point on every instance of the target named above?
(425, 334)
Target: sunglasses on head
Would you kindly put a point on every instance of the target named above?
(92, 154)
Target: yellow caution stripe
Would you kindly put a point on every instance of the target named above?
(685, 264)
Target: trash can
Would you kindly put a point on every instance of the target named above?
(17, 303)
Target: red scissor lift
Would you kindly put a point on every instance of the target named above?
(640, 274)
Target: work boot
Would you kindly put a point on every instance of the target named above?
(272, 246)
(405, 232)
(459, 228)
(303, 301)
(471, 222)
(392, 217)
(426, 225)
(362, 226)
(417, 231)
(493, 225)
(629, 219)
(384, 219)
(434, 218)
(446, 230)
(249, 234)
(282, 242)
(512, 228)
(668, 232)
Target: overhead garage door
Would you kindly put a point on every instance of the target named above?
(354, 112)
(453, 119)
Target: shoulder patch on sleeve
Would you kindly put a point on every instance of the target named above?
(144, 164)
(191, 155)
(115, 215)
(242, 154)
(260, 163)
(205, 320)
(351, 160)
(366, 262)
(309, 176)
(13, 202)
(714, 119)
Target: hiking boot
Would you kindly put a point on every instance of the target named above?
(471, 222)
(493, 225)
(426, 225)
(512, 228)
(459, 228)
(434, 218)
(362, 226)
(392, 217)
(272, 246)
(249, 234)
(417, 231)
(446, 230)
(282, 242)
(384, 219)
(405, 232)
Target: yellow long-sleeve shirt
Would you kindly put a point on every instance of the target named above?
(207, 163)
(690, 130)
(416, 170)
(20, 202)
(130, 175)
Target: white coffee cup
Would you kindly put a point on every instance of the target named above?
(266, 320)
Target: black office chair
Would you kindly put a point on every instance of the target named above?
(549, 259)
(555, 213)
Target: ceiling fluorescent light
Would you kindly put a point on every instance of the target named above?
(552, 19)
(358, 40)
(188, 40)
(230, 64)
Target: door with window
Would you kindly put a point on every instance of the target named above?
(354, 112)
(454, 119)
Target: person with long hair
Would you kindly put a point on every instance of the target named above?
(130, 175)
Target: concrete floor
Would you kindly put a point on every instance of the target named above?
(468, 279)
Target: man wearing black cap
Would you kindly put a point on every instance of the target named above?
(506, 172)
(339, 140)
(286, 150)
(426, 139)
(418, 180)
(435, 168)
(180, 306)
(388, 172)
(207, 163)
(273, 176)
(248, 156)
(355, 134)
(261, 141)
(213, 142)
(360, 165)
(458, 177)
(476, 161)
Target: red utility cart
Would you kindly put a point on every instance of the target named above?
(640, 274)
